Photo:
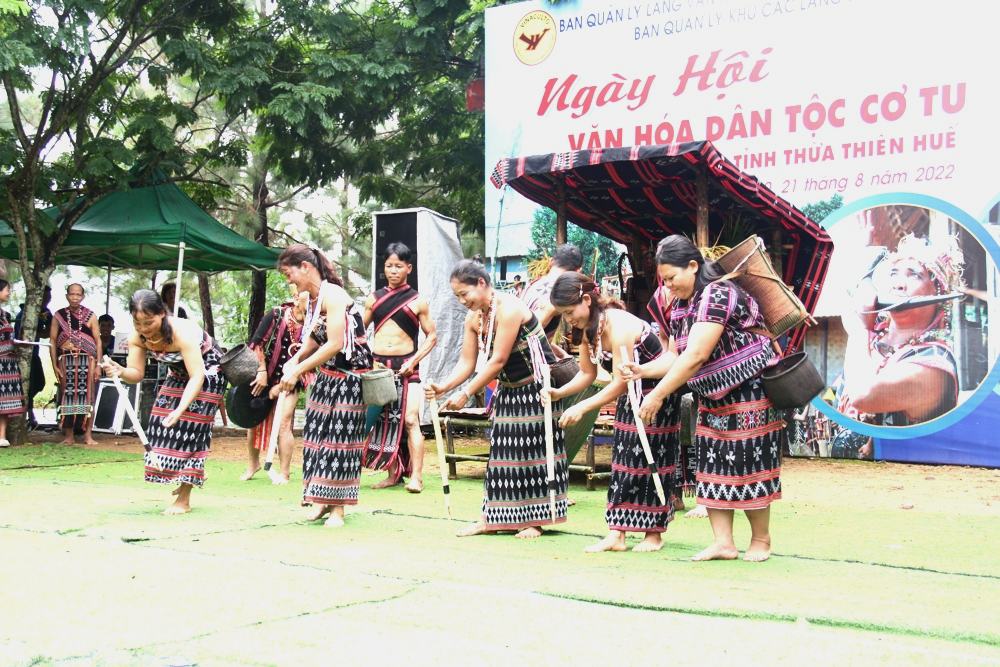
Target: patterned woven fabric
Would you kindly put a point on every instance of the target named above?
(739, 354)
(183, 448)
(11, 396)
(333, 439)
(739, 454)
(632, 501)
(387, 447)
(516, 489)
(77, 398)
(334, 434)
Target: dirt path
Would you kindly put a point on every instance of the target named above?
(858, 485)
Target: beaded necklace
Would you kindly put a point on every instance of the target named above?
(485, 336)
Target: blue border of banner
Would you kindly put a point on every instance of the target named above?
(986, 387)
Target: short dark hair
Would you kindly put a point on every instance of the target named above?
(4, 284)
(568, 256)
(105, 318)
(470, 272)
(400, 250)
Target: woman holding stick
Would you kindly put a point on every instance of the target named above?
(510, 345)
(603, 329)
(718, 354)
(180, 425)
(334, 434)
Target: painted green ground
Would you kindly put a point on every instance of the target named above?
(93, 574)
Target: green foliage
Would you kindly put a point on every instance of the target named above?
(230, 296)
(818, 211)
(543, 237)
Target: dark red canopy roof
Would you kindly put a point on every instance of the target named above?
(648, 192)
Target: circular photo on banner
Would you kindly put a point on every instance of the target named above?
(903, 333)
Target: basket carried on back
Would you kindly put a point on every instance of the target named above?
(749, 265)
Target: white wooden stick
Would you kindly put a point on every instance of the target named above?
(634, 389)
(550, 454)
(442, 459)
(136, 425)
(272, 441)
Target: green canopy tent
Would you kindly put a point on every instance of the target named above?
(152, 227)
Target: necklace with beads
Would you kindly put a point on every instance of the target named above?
(485, 334)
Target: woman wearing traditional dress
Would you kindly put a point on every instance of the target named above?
(276, 339)
(74, 335)
(716, 351)
(334, 434)
(399, 314)
(508, 342)
(603, 328)
(11, 395)
(180, 424)
(659, 307)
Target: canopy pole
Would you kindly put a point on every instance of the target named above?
(107, 293)
(701, 222)
(561, 213)
(180, 273)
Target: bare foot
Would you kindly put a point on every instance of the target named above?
(67, 441)
(570, 502)
(177, 508)
(699, 512)
(90, 441)
(653, 542)
(415, 486)
(319, 511)
(277, 477)
(759, 550)
(716, 552)
(474, 529)
(248, 475)
(336, 519)
(529, 533)
(385, 483)
(615, 541)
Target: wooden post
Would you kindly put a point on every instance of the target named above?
(777, 251)
(561, 213)
(701, 229)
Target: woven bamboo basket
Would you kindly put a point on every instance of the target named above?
(781, 309)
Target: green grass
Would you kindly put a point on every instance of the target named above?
(81, 533)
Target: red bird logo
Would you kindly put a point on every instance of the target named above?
(532, 40)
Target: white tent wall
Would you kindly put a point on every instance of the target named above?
(437, 250)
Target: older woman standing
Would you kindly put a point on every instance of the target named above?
(75, 335)
(180, 426)
(603, 332)
(510, 345)
(334, 434)
(720, 357)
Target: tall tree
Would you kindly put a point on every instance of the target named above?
(102, 73)
(543, 235)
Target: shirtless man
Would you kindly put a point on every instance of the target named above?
(399, 313)
(566, 257)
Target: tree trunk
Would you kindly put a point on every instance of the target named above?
(258, 292)
(206, 304)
